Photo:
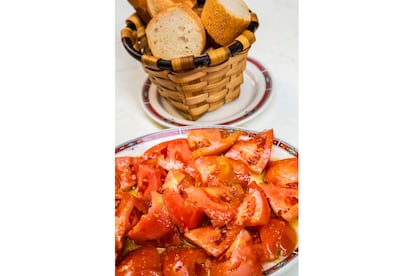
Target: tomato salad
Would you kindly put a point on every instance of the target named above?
(213, 203)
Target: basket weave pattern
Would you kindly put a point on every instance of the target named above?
(193, 85)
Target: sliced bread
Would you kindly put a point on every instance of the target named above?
(176, 32)
(224, 20)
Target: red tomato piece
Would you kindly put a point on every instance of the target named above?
(135, 172)
(184, 214)
(128, 210)
(215, 170)
(219, 211)
(278, 239)
(184, 261)
(241, 171)
(241, 258)
(149, 179)
(125, 174)
(153, 225)
(255, 152)
(292, 213)
(254, 210)
(213, 240)
(221, 182)
(158, 150)
(282, 172)
(282, 199)
(173, 155)
(211, 141)
(144, 261)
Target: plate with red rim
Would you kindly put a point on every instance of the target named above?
(255, 94)
(281, 150)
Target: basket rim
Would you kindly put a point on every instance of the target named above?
(134, 23)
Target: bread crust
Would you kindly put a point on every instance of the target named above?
(221, 24)
(157, 6)
(141, 9)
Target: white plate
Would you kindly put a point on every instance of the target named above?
(255, 94)
(280, 150)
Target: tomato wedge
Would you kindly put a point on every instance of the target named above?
(184, 214)
(278, 239)
(128, 210)
(213, 240)
(254, 210)
(219, 211)
(144, 261)
(125, 174)
(283, 171)
(211, 141)
(241, 258)
(241, 171)
(282, 199)
(255, 152)
(156, 218)
(149, 179)
(216, 169)
(173, 155)
(136, 173)
(184, 261)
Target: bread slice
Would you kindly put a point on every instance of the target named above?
(176, 32)
(157, 6)
(224, 20)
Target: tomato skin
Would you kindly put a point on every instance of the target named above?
(211, 141)
(144, 261)
(184, 261)
(156, 218)
(278, 239)
(255, 152)
(241, 258)
(282, 199)
(254, 210)
(282, 172)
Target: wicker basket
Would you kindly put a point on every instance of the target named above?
(193, 85)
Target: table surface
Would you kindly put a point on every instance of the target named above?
(276, 47)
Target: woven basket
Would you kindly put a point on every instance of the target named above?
(193, 85)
